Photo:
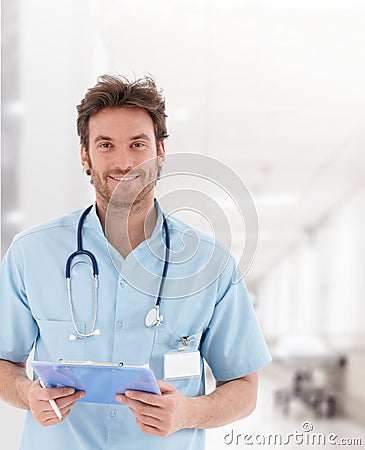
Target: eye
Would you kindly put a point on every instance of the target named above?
(105, 145)
(139, 145)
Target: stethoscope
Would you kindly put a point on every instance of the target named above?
(153, 318)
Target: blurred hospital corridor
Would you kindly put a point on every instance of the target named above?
(266, 109)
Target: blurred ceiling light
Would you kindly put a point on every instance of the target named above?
(13, 217)
(14, 108)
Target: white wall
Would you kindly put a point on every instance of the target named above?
(341, 272)
(61, 58)
(287, 297)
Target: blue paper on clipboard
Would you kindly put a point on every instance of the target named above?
(101, 382)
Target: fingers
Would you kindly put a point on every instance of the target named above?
(154, 413)
(158, 426)
(162, 422)
(53, 393)
(148, 429)
(42, 411)
(160, 415)
(148, 420)
(165, 387)
(137, 406)
(144, 397)
(48, 417)
(147, 403)
(69, 400)
(151, 399)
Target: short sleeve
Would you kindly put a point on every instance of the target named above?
(233, 344)
(18, 329)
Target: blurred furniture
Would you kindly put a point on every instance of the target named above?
(317, 374)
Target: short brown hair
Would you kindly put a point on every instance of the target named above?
(112, 91)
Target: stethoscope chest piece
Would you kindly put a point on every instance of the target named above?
(153, 318)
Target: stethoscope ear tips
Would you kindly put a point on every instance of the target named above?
(72, 337)
(96, 332)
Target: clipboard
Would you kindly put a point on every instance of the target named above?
(100, 381)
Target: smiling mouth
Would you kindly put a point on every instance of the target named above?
(130, 178)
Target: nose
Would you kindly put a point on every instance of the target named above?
(123, 161)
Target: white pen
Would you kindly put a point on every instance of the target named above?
(52, 403)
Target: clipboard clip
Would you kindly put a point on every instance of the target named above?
(90, 363)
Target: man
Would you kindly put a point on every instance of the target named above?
(122, 127)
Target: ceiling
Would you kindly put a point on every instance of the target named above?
(273, 89)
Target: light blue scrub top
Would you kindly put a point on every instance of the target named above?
(202, 299)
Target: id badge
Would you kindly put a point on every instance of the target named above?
(182, 364)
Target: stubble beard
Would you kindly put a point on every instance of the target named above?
(110, 200)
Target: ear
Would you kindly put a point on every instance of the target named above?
(161, 152)
(84, 158)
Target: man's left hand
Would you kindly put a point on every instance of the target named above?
(159, 415)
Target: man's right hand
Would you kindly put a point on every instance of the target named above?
(39, 397)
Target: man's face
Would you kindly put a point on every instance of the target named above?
(123, 157)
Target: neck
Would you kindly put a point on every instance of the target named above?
(126, 228)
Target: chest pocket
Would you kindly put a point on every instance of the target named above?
(53, 341)
(167, 341)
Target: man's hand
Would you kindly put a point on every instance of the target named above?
(39, 397)
(160, 415)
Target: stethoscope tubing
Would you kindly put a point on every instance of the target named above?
(80, 251)
(166, 261)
